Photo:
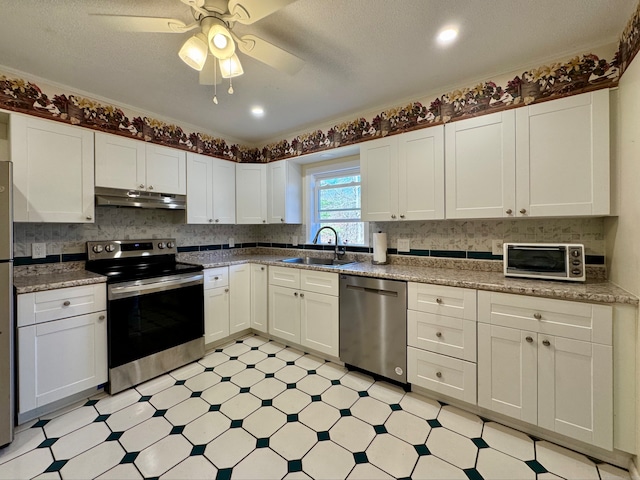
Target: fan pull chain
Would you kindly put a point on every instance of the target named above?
(215, 81)
(230, 87)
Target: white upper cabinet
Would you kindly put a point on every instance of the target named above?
(251, 193)
(211, 190)
(284, 186)
(132, 164)
(562, 156)
(480, 166)
(53, 171)
(403, 176)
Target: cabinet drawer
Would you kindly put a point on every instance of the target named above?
(284, 277)
(216, 277)
(580, 321)
(455, 337)
(442, 300)
(319, 282)
(442, 374)
(39, 307)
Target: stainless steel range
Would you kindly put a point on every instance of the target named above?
(155, 308)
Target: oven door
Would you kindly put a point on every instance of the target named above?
(151, 315)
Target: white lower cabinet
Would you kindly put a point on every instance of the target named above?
(216, 314)
(306, 311)
(259, 295)
(560, 383)
(239, 297)
(60, 355)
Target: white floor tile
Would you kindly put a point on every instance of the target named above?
(271, 347)
(292, 401)
(236, 350)
(230, 447)
(392, 455)
(316, 465)
(309, 362)
(25, 426)
(549, 476)
(268, 388)
(319, 416)
(609, 472)
(352, 434)
(255, 341)
(48, 476)
(187, 411)
(386, 392)
(420, 406)
(80, 440)
(247, 378)
(408, 427)
(289, 354)
(213, 360)
(130, 416)
(271, 365)
(252, 357)
(332, 371)
(170, 397)
(23, 442)
(188, 371)
(566, 463)
(297, 476)
(193, 468)
(206, 428)
(26, 466)
(63, 411)
(366, 471)
(356, 380)
(202, 381)
(94, 462)
(291, 374)
(230, 368)
(70, 421)
(371, 410)
(264, 422)
(313, 384)
(113, 403)
(144, 434)
(499, 466)
(156, 385)
(509, 441)
(261, 464)
(464, 423)
(430, 467)
(340, 396)
(220, 393)
(125, 471)
(452, 447)
(241, 406)
(293, 440)
(163, 455)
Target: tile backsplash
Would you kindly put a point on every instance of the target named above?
(459, 235)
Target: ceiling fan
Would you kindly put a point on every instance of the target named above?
(216, 40)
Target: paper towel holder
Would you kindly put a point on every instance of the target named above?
(386, 258)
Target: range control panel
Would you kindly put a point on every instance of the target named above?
(109, 249)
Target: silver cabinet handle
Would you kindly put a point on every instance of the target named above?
(217, 220)
(295, 294)
(439, 334)
(210, 220)
(101, 317)
(529, 339)
(264, 221)
(439, 374)
(89, 217)
(523, 211)
(439, 301)
(302, 295)
(546, 343)
(262, 268)
(393, 216)
(509, 211)
(401, 216)
(150, 187)
(141, 185)
(216, 278)
(537, 316)
(282, 220)
(226, 290)
(66, 303)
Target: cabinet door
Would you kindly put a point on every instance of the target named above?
(284, 313)
(53, 172)
(44, 375)
(239, 297)
(569, 370)
(224, 191)
(562, 162)
(166, 170)
(507, 371)
(379, 176)
(421, 164)
(284, 187)
(120, 162)
(251, 193)
(216, 314)
(319, 324)
(259, 312)
(199, 189)
(480, 166)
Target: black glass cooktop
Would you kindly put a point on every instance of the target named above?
(122, 270)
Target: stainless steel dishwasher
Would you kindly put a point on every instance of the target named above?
(373, 325)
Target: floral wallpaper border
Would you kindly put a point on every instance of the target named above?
(578, 75)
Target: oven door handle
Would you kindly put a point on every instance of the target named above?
(135, 289)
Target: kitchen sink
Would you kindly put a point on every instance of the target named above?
(325, 262)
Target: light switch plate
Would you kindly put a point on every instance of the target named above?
(496, 247)
(38, 250)
(232, 242)
(404, 245)
(294, 240)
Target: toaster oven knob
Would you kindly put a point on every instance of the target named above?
(170, 244)
(110, 247)
(576, 271)
(97, 249)
(161, 245)
(575, 253)
(576, 262)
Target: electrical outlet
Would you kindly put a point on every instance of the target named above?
(496, 247)
(404, 245)
(38, 250)
(232, 242)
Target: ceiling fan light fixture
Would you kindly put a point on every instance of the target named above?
(231, 67)
(220, 42)
(194, 51)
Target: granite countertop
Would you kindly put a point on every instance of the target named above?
(51, 281)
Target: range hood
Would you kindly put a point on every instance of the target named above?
(134, 198)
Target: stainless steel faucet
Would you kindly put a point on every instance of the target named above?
(338, 253)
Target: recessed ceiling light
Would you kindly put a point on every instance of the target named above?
(257, 111)
(448, 35)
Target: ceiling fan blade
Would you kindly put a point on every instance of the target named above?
(269, 54)
(249, 11)
(210, 74)
(128, 23)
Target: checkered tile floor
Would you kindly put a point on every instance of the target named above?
(255, 409)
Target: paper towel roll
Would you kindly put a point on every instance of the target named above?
(380, 248)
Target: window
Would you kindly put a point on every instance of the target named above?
(336, 204)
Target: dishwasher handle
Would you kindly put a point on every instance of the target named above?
(376, 291)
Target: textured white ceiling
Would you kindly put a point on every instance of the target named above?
(359, 54)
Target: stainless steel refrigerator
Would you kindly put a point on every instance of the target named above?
(6, 305)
